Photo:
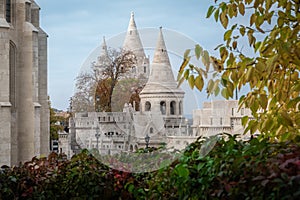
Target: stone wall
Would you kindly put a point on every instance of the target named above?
(24, 116)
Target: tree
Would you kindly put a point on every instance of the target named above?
(101, 82)
(129, 89)
(55, 123)
(271, 70)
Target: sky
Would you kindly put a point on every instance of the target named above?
(76, 28)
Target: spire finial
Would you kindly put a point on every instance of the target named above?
(160, 54)
(132, 14)
(104, 43)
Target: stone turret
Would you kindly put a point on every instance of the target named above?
(161, 93)
(103, 58)
(133, 43)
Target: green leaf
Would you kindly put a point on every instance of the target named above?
(198, 51)
(210, 85)
(249, 73)
(230, 88)
(257, 46)
(199, 83)
(187, 53)
(216, 15)
(184, 64)
(186, 74)
(224, 19)
(217, 91)
(180, 81)
(205, 60)
(285, 136)
(242, 8)
(211, 9)
(263, 101)
(267, 124)
(253, 19)
(224, 93)
(242, 30)
(280, 22)
(224, 82)
(286, 118)
(245, 120)
(191, 81)
(227, 34)
(182, 171)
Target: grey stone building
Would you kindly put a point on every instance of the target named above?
(24, 108)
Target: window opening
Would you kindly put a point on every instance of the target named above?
(163, 107)
(8, 11)
(173, 108)
(147, 106)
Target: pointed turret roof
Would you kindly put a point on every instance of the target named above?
(103, 57)
(161, 79)
(132, 40)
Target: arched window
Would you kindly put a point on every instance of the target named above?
(8, 11)
(131, 148)
(147, 106)
(151, 130)
(145, 69)
(12, 73)
(173, 108)
(163, 107)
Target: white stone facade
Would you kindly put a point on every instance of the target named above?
(161, 108)
(161, 112)
(24, 108)
(218, 117)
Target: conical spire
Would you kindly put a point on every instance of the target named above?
(103, 57)
(104, 48)
(132, 40)
(161, 79)
(161, 54)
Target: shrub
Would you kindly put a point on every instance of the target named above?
(234, 169)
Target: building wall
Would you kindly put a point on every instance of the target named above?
(23, 83)
(115, 129)
(218, 117)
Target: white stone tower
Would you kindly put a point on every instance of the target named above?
(161, 93)
(103, 58)
(24, 108)
(133, 43)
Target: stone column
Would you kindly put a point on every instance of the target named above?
(25, 105)
(43, 94)
(168, 106)
(41, 78)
